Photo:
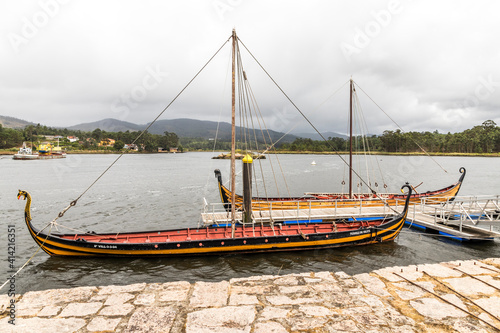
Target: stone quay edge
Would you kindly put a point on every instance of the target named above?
(418, 298)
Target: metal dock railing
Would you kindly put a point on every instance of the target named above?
(463, 218)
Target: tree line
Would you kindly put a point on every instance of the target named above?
(484, 138)
(10, 138)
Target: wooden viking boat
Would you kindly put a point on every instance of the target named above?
(241, 235)
(333, 200)
(278, 236)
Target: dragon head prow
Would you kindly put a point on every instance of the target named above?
(23, 194)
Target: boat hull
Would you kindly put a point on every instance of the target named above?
(51, 156)
(38, 157)
(25, 157)
(247, 240)
(217, 240)
(331, 200)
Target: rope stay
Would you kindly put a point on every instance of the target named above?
(363, 128)
(314, 127)
(414, 141)
(316, 109)
(73, 203)
(249, 109)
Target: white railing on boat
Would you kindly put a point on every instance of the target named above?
(215, 213)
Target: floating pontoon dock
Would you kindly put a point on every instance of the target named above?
(464, 218)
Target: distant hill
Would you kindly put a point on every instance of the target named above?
(315, 136)
(11, 122)
(191, 128)
(108, 125)
(183, 127)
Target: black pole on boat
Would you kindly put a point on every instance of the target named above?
(247, 188)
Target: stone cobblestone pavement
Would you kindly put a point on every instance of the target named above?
(380, 301)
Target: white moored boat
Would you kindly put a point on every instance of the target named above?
(25, 153)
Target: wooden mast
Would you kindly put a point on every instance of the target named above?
(350, 141)
(233, 139)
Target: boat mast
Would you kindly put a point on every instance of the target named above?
(350, 142)
(233, 139)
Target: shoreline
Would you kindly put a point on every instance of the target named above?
(416, 298)
(104, 152)
(391, 153)
(93, 152)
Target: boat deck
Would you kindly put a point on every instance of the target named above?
(222, 232)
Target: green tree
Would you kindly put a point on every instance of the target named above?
(118, 145)
(97, 134)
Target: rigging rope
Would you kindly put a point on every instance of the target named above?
(314, 127)
(215, 139)
(426, 153)
(73, 203)
(316, 109)
(250, 100)
(364, 129)
(27, 261)
(220, 111)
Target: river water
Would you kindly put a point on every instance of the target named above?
(162, 191)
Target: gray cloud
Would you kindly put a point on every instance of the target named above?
(429, 65)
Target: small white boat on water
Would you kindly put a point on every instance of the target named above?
(25, 153)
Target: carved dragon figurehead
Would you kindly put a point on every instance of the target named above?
(27, 209)
(408, 195)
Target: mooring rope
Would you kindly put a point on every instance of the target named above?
(27, 261)
(461, 295)
(446, 301)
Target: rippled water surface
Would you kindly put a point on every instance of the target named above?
(161, 191)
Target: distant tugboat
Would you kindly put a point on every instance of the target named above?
(47, 151)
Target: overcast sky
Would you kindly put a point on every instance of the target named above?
(430, 65)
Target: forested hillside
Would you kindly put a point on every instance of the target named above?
(484, 138)
(95, 140)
